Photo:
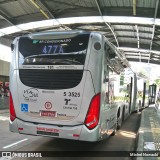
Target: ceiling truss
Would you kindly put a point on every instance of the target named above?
(122, 31)
(108, 25)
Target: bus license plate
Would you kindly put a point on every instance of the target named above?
(48, 113)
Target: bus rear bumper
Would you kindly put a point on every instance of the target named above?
(78, 132)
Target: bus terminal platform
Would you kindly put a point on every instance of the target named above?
(148, 138)
(4, 102)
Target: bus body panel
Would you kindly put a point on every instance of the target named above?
(107, 111)
(14, 60)
(79, 132)
(108, 107)
(67, 114)
(134, 93)
(94, 59)
(61, 113)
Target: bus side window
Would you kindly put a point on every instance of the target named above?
(111, 92)
(106, 81)
(111, 87)
(110, 53)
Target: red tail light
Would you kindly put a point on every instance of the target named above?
(11, 107)
(92, 117)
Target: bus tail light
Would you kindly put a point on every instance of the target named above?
(11, 108)
(20, 129)
(92, 117)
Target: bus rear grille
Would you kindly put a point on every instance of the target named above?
(50, 79)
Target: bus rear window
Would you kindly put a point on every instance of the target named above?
(53, 51)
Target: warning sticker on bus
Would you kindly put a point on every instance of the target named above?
(48, 113)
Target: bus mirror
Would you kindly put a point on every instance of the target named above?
(12, 47)
(106, 80)
(111, 54)
(126, 95)
(124, 66)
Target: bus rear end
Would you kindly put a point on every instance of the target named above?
(51, 90)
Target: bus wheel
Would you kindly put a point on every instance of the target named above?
(119, 120)
(114, 132)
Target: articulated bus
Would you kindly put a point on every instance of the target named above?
(62, 85)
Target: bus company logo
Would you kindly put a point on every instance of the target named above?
(35, 41)
(31, 94)
(48, 105)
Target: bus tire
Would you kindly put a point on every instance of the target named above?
(123, 112)
(114, 131)
(119, 120)
(119, 123)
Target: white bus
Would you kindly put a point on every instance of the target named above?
(60, 86)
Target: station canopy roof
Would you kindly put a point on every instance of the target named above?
(133, 26)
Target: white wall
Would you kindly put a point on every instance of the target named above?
(5, 53)
(4, 68)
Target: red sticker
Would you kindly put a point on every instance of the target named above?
(48, 113)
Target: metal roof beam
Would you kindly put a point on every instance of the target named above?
(42, 3)
(7, 1)
(157, 28)
(6, 18)
(118, 23)
(108, 33)
(137, 32)
(69, 4)
(155, 15)
(143, 60)
(11, 22)
(131, 30)
(138, 42)
(143, 54)
(157, 32)
(42, 11)
(134, 7)
(90, 24)
(156, 39)
(129, 49)
(108, 25)
(39, 8)
(125, 36)
(136, 54)
(156, 43)
(93, 28)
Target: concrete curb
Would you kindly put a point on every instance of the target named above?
(140, 139)
(4, 103)
(4, 111)
(148, 133)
